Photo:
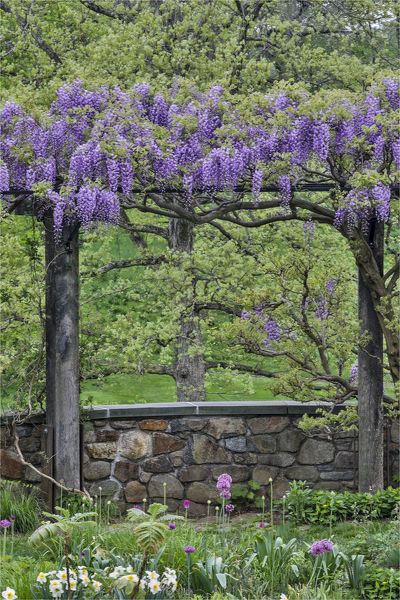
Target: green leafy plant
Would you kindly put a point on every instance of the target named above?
(381, 584)
(277, 560)
(22, 501)
(244, 494)
(355, 570)
(150, 528)
(303, 505)
(210, 575)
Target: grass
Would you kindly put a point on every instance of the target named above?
(136, 389)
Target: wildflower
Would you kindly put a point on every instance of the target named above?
(12, 518)
(9, 594)
(186, 504)
(152, 574)
(321, 547)
(261, 525)
(154, 586)
(5, 523)
(42, 577)
(72, 584)
(96, 585)
(229, 508)
(189, 549)
(172, 525)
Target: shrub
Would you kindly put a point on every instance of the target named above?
(23, 501)
(304, 505)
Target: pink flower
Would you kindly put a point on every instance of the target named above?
(186, 504)
(224, 484)
(5, 523)
(321, 547)
(261, 525)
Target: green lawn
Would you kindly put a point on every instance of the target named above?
(136, 389)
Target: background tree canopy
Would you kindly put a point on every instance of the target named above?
(235, 292)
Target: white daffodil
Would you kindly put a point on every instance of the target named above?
(56, 588)
(9, 594)
(152, 575)
(154, 586)
(42, 577)
(96, 585)
(85, 580)
(129, 569)
(283, 597)
(142, 584)
(132, 577)
(83, 572)
(62, 575)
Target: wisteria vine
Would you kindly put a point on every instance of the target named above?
(95, 144)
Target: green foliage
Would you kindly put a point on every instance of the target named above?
(150, 528)
(22, 501)
(382, 584)
(244, 494)
(304, 505)
(64, 524)
(277, 561)
(209, 575)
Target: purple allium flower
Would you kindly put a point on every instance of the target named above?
(186, 504)
(229, 508)
(5, 523)
(172, 525)
(12, 518)
(189, 549)
(224, 484)
(321, 547)
(261, 525)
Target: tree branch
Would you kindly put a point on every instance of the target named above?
(36, 33)
(106, 12)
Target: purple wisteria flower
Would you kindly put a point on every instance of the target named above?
(171, 525)
(5, 523)
(224, 484)
(229, 508)
(321, 547)
(186, 504)
(189, 549)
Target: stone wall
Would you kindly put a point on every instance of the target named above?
(131, 451)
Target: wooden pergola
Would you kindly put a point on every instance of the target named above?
(62, 337)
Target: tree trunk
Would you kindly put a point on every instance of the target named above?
(189, 368)
(370, 378)
(62, 347)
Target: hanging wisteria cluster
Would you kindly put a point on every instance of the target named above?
(264, 323)
(94, 145)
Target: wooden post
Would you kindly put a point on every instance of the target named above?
(62, 347)
(370, 378)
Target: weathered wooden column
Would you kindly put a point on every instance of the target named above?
(370, 377)
(62, 348)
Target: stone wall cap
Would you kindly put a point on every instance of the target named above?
(182, 409)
